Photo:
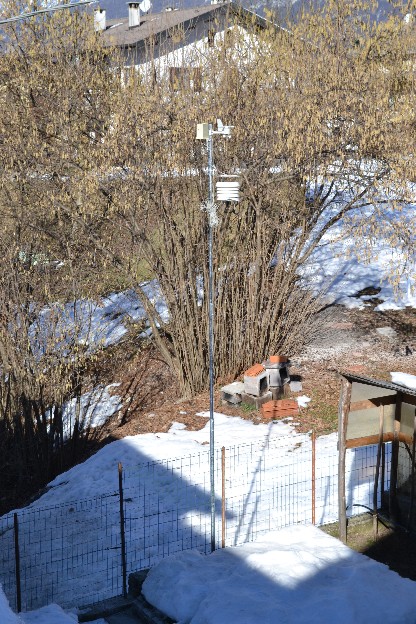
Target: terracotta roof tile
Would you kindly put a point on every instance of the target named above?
(277, 359)
(255, 370)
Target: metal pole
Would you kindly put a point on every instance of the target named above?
(223, 497)
(122, 530)
(17, 562)
(313, 476)
(211, 222)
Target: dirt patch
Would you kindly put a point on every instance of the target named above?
(394, 547)
(348, 341)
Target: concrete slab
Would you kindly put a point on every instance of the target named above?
(296, 386)
(231, 393)
(124, 617)
(105, 609)
(256, 401)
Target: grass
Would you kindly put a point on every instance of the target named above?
(246, 408)
(394, 547)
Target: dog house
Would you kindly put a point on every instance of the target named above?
(375, 412)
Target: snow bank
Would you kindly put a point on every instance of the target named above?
(6, 614)
(298, 575)
(98, 475)
(51, 614)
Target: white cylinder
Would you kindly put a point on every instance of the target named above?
(134, 14)
(99, 20)
(228, 191)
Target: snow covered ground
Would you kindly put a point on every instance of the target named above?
(333, 268)
(70, 537)
(298, 575)
(50, 614)
(70, 541)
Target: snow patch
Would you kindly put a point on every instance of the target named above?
(298, 575)
(404, 379)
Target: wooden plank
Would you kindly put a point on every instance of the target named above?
(344, 408)
(393, 507)
(357, 406)
(369, 440)
(377, 475)
(412, 483)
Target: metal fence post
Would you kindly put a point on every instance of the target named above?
(313, 475)
(17, 560)
(122, 529)
(223, 496)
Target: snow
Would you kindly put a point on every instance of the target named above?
(6, 614)
(335, 268)
(98, 474)
(303, 400)
(96, 407)
(298, 575)
(284, 574)
(340, 271)
(166, 489)
(51, 614)
(404, 379)
(91, 323)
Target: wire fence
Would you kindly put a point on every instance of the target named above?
(81, 552)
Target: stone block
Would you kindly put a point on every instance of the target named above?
(255, 401)
(232, 392)
(296, 386)
(256, 385)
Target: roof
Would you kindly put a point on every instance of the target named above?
(378, 383)
(118, 33)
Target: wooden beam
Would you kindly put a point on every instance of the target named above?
(412, 486)
(357, 406)
(373, 439)
(368, 440)
(393, 507)
(343, 411)
(377, 475)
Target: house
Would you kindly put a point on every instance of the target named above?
(177, 39)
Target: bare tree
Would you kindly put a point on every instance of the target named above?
(324, 119)
(106, 164)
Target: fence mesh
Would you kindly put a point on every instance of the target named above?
(71, 553)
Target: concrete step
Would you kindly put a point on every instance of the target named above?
(105, 609)
(125, 617)
(148, 614)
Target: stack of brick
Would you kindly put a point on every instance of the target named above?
(256, 387)
(280, 409)
(262, 383)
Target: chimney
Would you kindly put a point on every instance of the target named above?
(99, 20)
(134, 14)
